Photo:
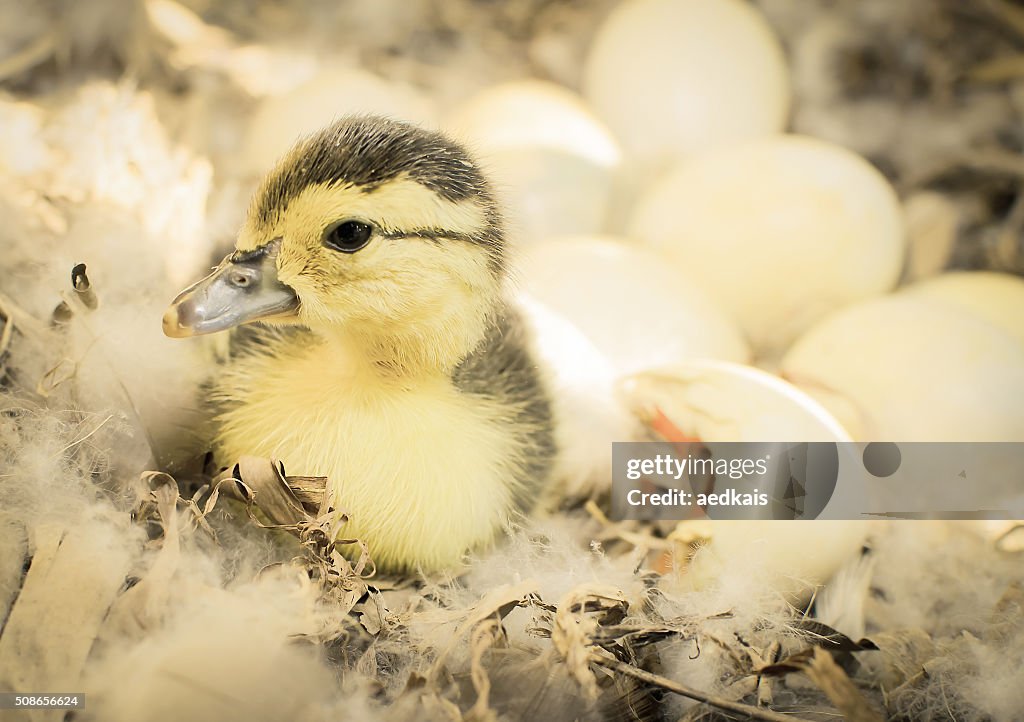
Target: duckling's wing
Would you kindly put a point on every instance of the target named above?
(503, 369)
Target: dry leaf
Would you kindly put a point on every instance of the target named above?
(497, 604)
(580, 613)
(484, 636)
(140, 607)
(830, 678)
(58, 613)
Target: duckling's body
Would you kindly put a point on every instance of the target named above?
(427, 466)
(403, 375)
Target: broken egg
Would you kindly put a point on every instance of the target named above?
(721, 401)
(716, 401)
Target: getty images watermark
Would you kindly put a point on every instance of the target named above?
(668, 466)
(817, 480)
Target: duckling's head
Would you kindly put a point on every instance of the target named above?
(375, 231)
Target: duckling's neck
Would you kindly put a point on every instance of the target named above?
(433, 347)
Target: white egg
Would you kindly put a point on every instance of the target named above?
(590, 415)
(907, 368)
(550, 159)
(535, 114)
(280, 120)
(995, 297)
(672, 77)
(638, 310)
(717, 401)
(778, 231)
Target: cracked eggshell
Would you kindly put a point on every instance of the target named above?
(717, 401)
(637, 310)
(908, 368)
(673, 77)
(723, 401)
(280, 120)
(778, 231)
(994, 297)
(550, 159)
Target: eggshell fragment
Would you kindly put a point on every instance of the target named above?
(778, 231)
(550, 159)
(673, 77)
(637, 310)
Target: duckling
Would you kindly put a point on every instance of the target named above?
(388, 356)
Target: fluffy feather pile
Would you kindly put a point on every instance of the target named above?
(114, 582)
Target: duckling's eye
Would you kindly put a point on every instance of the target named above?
(348, 236)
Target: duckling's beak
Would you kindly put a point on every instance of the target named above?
(243, 288)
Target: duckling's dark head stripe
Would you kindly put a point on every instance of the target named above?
(368, 151)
